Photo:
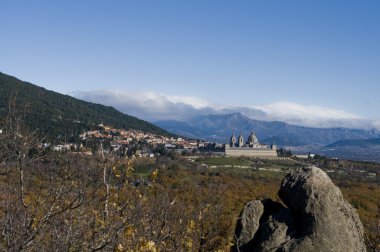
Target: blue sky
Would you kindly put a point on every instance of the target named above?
(256, 54)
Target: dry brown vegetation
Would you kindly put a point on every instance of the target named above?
(182, 208)
(365, 197)
(69, 202)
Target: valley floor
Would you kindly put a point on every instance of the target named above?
(172, 203)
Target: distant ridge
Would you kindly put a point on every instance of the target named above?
(355, 149)
(56, 115)
(218, 127)
(371, 142)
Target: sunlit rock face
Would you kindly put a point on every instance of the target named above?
(316, 218)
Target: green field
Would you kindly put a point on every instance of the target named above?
(234, 161)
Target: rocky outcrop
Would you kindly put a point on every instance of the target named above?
(249, 221)
(316, 218)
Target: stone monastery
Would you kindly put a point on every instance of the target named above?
(251, 148)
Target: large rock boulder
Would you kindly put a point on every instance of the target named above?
(317, 218)
(249, 222)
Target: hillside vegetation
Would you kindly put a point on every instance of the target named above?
(58, 115)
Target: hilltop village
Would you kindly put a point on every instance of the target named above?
(134, 143)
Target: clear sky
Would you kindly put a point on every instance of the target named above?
(242, 53)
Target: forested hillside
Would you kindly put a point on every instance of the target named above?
(57, 115)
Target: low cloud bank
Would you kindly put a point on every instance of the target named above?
(153, 106)
(149, 105)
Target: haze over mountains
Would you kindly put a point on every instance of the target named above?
(153, 106)
(219, 128)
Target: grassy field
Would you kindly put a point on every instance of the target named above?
(233, 161)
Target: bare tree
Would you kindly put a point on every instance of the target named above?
(25, 214)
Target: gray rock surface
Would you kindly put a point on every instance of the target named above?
(249, 222)
(317, 218)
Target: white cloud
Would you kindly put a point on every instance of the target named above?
(291, 109)
(376, 124)
(154, 106)
(150, 105)
(313, 116)
(188, 100)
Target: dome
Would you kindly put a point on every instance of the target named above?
(252, 138)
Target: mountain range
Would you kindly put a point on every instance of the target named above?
(57, 115)
(63, 117)
(346, 143)
(220, 127)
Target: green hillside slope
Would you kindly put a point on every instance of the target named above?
(57, 115)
